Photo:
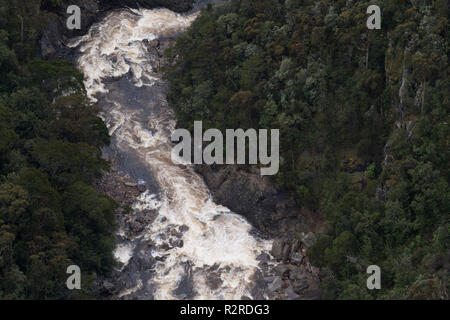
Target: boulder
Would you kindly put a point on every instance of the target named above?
(277, 249)
(308, 239)
(297, 258)
(176, 243)
(108, 286)
(263, 257)
(286, 252)
(154, 43)
(130, 184)
(281, 269)
(291, 294)
(298, 274)
(276, 284)
(184, 228)
(294, 247)
(299, 287)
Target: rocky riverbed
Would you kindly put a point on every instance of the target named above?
(285, 273)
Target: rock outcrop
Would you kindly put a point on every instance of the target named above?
(274, 215)
(244, 191)
(289, 274)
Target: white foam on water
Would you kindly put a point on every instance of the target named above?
(123, 253)
(131, 290)
(114, 47)
(147, 201)
(215, 237)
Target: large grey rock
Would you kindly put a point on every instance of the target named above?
(281, 269)
(294, 247)
(286, 252)
(142, 188)
(244, 191)
(277, 249)
(108, 286)
(130, 184)
(263, 257)
(301, 286)
(277, 284)
(308, 239)
(291, 294)
(296, 258)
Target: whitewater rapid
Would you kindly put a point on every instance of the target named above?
(119, 73)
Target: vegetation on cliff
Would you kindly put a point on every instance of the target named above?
(364, 127)
(50, 217)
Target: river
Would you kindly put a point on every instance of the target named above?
(216, 254)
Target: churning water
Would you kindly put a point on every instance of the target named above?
(120, 76)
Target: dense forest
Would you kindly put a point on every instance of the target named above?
(50, 139)
(363, 116)
(364, 120)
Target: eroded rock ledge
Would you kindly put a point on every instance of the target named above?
(243, 190)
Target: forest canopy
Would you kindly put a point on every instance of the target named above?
(363, 116)
(50, 135)
(364, 120)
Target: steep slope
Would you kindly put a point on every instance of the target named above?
(363, 116)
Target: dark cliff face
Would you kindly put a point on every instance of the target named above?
(244, 191)
(56, 34)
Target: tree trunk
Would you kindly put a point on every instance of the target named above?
(292, 156)
(21, 28)
(367, 56)
(423, 96)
